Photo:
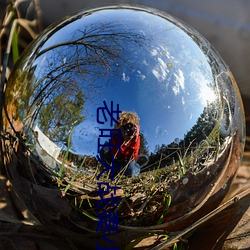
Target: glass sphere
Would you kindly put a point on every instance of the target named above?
(121, 109)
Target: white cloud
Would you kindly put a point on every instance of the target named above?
(154, 52)
(125, 78)
(183, 100)
(142, 76)
(206, 93)
(161, 70)
(145, 62)
(159, 132)
(179, 82)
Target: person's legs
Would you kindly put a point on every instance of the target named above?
(133, 169)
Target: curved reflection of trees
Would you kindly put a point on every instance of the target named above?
(203, 127)
(199, 144)
(143, 145)
(67, 74)
(57, 117)
(92, 52)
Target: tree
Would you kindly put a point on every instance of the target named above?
(144, 146)
(58, 117)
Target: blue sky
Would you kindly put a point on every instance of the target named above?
(166, 78)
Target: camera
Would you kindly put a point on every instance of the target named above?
(128, 129)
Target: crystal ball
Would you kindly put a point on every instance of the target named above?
(121, 110)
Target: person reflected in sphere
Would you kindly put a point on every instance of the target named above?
(130, 144)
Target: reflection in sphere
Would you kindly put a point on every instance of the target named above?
(131, 87)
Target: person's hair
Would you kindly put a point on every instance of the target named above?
(128, 117)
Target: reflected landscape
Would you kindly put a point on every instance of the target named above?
(130, 88)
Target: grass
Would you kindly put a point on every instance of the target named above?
(146, 191)
(151, 191)
(147, 187)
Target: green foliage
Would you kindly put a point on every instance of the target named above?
(59, 116)
(201, 140)
(168, 203)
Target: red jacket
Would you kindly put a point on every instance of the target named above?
(126, 151)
